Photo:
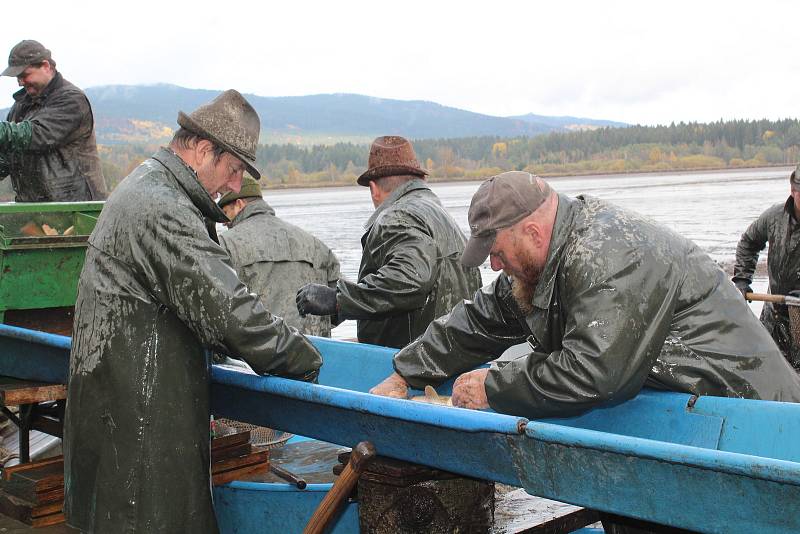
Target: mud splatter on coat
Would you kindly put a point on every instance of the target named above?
(778, 227)
(155, 291)
(622, 303)
(60, 163)
(275, 258)
(410, 272)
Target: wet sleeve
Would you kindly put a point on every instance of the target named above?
(473, 333)
(334, 272)
(409, 268)
(14, 136)
(752, 242)
(65, 112)
(616, 323)
(4, 169)
(193, 276)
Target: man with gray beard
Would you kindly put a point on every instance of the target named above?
(608, 301)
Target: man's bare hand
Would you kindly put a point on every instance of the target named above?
(394, 386)
(469, 390)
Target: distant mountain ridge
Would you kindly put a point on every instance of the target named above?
(147, 113)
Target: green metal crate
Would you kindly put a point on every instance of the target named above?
(39, 272)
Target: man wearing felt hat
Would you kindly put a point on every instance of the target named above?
(47, 142)
(608, 302)
(780, 227)
(410, 273)
(274, 258)
(156, 295)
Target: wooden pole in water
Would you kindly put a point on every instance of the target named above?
(338, 494)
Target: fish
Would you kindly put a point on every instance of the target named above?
(431, 397)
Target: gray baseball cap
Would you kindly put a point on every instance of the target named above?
(500, 202)
(24, 54)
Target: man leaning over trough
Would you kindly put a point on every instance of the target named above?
(410, 272)
(47, 142)
(155, 292)
(608, 301)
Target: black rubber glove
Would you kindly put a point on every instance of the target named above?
(794, 293)
(743, 286)
(316, 299)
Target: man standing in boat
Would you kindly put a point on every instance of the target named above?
(780, 227)
(608, 302)
(47, 142)
(274, 258)
(155, 292)
(410, 272)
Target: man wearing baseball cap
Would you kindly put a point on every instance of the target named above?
(47, 142)
(608, 301)
(780, 227)
(156, 295)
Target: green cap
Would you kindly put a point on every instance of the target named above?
(250, 189)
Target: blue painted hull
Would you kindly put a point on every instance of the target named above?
(714, 465)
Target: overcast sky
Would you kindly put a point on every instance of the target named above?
(638, 62)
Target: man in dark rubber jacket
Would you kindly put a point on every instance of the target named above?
(155, 292)
(47, 142)
(608, 302)
(780, 227)
(410, 272)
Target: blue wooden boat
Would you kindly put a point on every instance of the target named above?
(706, 464)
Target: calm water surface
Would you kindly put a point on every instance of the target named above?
(712, 208)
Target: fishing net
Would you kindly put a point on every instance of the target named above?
(794, 330)
(260, 436)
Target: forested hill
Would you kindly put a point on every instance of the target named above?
(142, 114)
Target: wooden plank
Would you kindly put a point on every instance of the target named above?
(32, 395)
(7, 471)
(233, 451)
(516, 512)
(52, 519)
(47, 509)
(28, 484)
(230, 440)
(242, 461)
(50, 496)
(15, 507)
(235, 474)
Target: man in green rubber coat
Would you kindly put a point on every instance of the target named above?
(608, 302)
(47, 142)
(410, 272)
(274, 258)
(156, 291)
(780, 227)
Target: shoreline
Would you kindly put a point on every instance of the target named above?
(322, 185)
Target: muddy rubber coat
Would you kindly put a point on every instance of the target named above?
(410, 272)
(622, 302)
(274, 259)
(60, 164)
(156, 290)
(778, 227)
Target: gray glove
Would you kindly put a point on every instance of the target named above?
(743, 286)
(316, 299)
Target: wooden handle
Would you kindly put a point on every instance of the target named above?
(336, 497)
(764, 297)
(288, 476)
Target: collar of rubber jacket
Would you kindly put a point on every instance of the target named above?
(187, 179)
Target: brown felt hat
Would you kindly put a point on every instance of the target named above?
(391, 155)
(500, 202)
(230, 122)
(24, 54)
(794, 178)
